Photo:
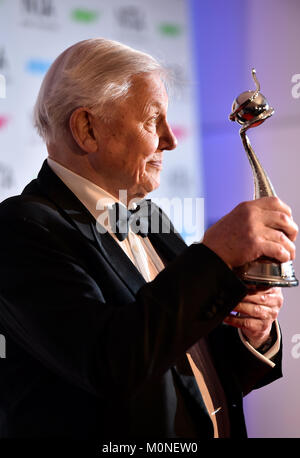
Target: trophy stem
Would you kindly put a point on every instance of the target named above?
(264, 272)
(250, 109)
(262, 184)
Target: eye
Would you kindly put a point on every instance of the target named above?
(152, 120)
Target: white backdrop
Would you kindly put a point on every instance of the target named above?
(34, 32)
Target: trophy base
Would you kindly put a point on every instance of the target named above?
(268, 273)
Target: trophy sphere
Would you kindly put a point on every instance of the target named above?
(245, 109)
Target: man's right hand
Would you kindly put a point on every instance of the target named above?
(261, 227)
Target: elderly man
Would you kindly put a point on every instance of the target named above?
(115, 333)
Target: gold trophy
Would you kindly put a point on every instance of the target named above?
(250, 109)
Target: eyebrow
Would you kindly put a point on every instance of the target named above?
(156, 104)
(152, 105)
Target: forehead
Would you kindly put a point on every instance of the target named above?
(148, 90)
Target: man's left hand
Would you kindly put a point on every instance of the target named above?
(256, 314)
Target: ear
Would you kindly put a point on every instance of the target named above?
(81, 125)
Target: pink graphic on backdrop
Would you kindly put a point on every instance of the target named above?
(180, 132)
(3, 121)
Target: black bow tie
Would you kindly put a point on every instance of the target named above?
(120, 218)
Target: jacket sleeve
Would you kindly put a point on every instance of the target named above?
(244, 368)
(55, 310)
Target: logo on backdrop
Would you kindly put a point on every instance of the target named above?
(3, 60)
(180, 82)
(170, 29)
(6, 176)
(179, 181)
(4, 70)
(85, 16)
(38, 14)
(2, 87)
(131, 17)
(180, 132)
(3, 121)
(37, 66)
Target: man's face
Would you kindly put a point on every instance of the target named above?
(131, 145)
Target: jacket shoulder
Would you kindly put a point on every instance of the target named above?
(28, 206)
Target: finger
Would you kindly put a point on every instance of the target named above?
(271, 298)
(272, 301)
(257, 311)
(261, 295)
(275, 250)
(282, 222)
(273, 203)
(275, 293)
(254, 325)
(274, 290)
(255, 298)
(276, 236)
(256, 289)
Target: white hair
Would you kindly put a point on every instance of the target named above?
(89, 74)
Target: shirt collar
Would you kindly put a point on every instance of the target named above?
(90, 195)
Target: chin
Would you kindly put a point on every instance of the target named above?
(145, 187)
(151, 185)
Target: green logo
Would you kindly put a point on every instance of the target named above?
(170, 29)
(83, 15)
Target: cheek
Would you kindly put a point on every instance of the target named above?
(152, 143)
(143, 144)
(139, 149)
(149, 147)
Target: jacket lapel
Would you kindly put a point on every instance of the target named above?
(167, 242)
(119, 261)
(168, 246)
(64, 200)
(77, 214)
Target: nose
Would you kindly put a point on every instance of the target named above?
(167, 139)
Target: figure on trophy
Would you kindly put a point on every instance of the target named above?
(250, 109)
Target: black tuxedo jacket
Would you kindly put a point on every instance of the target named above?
(92, 350)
